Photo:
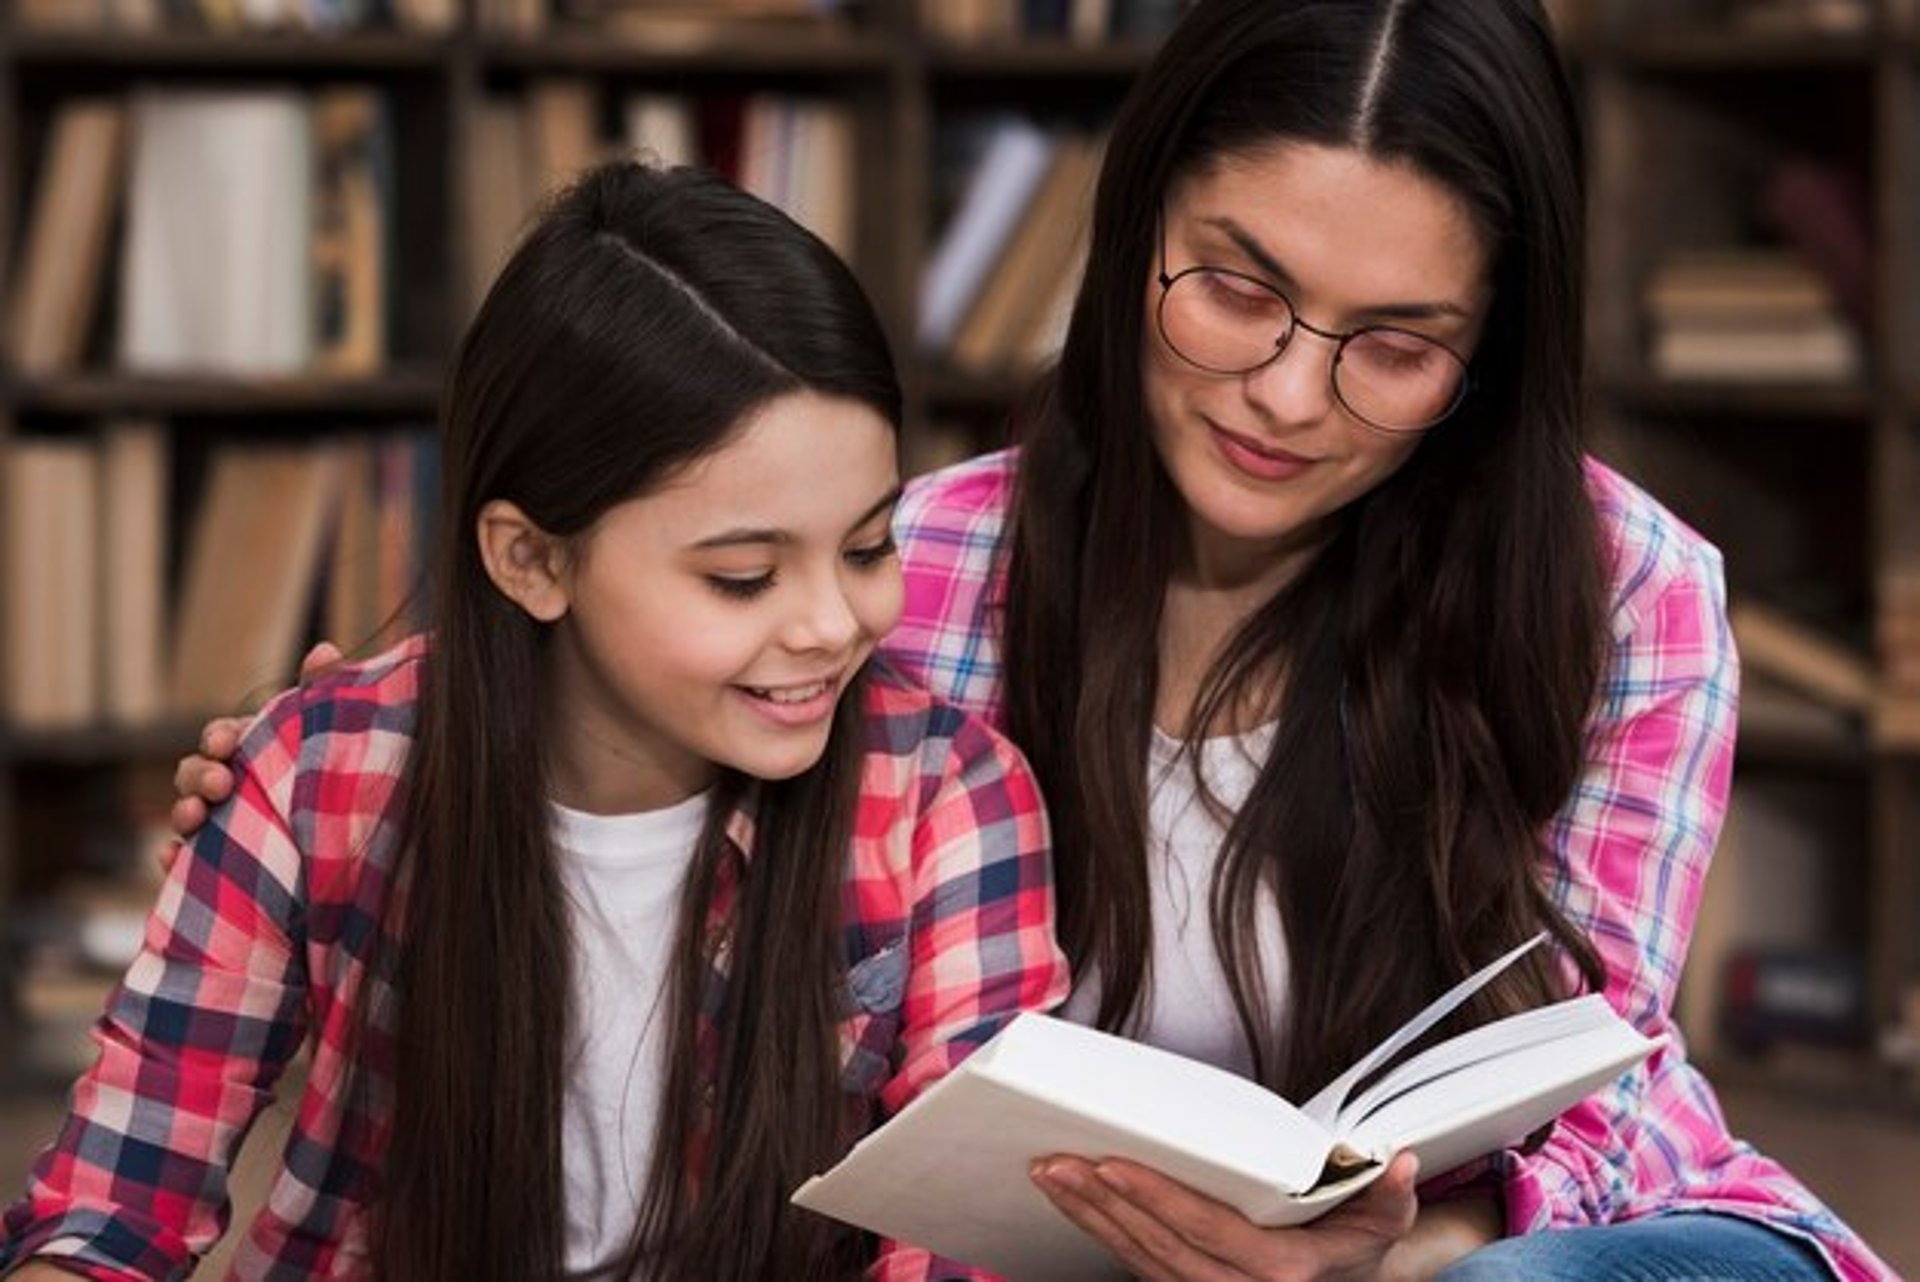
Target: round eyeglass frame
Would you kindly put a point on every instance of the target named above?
(1285, 340)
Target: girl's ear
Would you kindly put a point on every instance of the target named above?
(525, 562)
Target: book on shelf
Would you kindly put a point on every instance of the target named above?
(949, 1172)
(216, 275)
(1748, 315)
(1734, 283)
(563, 133)
(972, 22)
(1045, 249)
(499, 180)
(796, 152)
(661, 129)
(259, 232)
(253, 560)
(75, 198)
(49, 530)
(998, 192)
(798, 155)
(353, 172)
(134, 487)
(1827, 353)
(1774, 644)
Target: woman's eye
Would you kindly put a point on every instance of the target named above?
(872, 554)
(740, 589)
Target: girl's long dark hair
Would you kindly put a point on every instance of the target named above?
(646, 314)
(1439, 657)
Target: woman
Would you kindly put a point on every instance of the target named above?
(1342, 666)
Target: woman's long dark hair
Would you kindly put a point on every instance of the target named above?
(1439, 657)
(646, 314)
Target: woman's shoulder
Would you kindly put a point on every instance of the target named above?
(961, 495)
(1651, 552)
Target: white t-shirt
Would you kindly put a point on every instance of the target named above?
(1189, 1007)
(623, 876)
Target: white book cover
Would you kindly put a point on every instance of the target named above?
(998, 192)
(215, 276)
(949, 1173)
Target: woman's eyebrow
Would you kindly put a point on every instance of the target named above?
(1435, 309)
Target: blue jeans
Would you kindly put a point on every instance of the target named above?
(1690, 1247)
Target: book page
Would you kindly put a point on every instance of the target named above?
(1324, 1107)
(1477, 1045)
(1496, 1103)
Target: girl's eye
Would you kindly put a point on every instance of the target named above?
(871, 555)
(740, 589)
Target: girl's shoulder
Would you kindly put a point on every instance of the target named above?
(1650, 551)
(933, 738)
(355, 720)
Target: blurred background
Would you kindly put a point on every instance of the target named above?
(238, 239)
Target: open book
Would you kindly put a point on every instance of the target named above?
(949, 1173)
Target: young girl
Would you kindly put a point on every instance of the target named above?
(621, 901)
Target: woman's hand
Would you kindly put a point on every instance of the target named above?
(1165, 1232)
(203, 780)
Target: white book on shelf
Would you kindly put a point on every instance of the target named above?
(661, 129)
(215, 277)
(1828, 353)
(997, 194)
(949, 1173)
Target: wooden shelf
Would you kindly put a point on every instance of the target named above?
(827, 51)
(99, 745)
(402, 391)
(1740, 399)
(946, 388)
(1722, 48)
(137, 51)
(1770, 748)
(1051, 59)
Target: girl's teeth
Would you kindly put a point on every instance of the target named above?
(798, 695)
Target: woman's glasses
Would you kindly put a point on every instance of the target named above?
(1226, 322)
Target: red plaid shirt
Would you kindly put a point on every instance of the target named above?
(260, 944)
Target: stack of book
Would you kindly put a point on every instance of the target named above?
(256, 237)
(1896, 722)
(795, 152)
(286, 541)
(1747, 316)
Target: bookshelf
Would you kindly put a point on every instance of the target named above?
(1808, 485)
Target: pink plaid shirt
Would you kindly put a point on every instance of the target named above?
(1629, 850)
(262, 936)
